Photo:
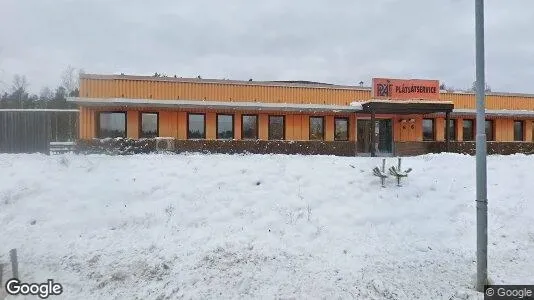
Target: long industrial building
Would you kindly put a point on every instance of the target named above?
(391, 116)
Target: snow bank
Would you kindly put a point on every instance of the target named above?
(261, 226)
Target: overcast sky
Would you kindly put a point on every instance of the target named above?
(341, 41)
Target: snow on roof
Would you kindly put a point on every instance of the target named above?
(212, 104)
(356, 104)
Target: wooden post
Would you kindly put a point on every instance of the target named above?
(447, 132)
(14, 263)
(373, 134)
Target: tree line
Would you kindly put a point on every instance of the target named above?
(19, 97)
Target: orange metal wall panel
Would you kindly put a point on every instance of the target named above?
(329, 128)
(154, 89)
(504, 130)
(352, 128)
(460, 129)
(528, 130)
(132, 126)
(91, 117)
(299, 122)
(290, 128)
(211, 122)
(182, 125)
(468, 101)
(305, 129)
(83, 88)
(237, 125)
(168, 124)
(406, 133)
(440, 129)
(263, 126)
(87, 124)
(164, 120)
(396, 129)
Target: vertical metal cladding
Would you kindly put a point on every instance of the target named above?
(510, 102)
(174, 90)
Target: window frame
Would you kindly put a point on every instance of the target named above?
(141, 122)
(269, 127)
(522, 130)
(187, 123)
(310, 127)
(348, 128)
(217, 126)
(454, 133)
(433, 129)
(473, 130)
(257, 127)
(98, 127)
(492, 122)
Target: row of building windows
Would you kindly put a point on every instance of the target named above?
(113, 124)
(468, 125)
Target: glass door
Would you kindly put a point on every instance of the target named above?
(384, 136)
(364, 131)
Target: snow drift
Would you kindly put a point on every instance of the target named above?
(262, 226)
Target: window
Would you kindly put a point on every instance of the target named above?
(225, 127)
(316, 128)
(469, 130)
(112, 124)
(149, 125)
(518, 131)
(249, 127)
(196, 126)
(428, 130)
(276, 127)
(489, 130)
(341, 129)
(452, 130)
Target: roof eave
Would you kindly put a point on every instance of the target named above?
(188, 104)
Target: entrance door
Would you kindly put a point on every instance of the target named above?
(384, 136)
(364, 128)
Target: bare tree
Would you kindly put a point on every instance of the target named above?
(46, 93)
(474, 87)
(70, 80)
(19, 88)
(20, 83)
(2, 82)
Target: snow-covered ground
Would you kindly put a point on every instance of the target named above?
(262, 226)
